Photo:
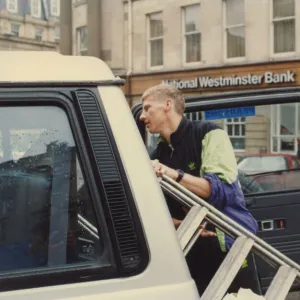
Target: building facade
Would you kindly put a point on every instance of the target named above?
(29, 25)
(202, 37)
(217, 46)
(95, 28)
(201, 47)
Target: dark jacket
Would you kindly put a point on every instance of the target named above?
(203, 149)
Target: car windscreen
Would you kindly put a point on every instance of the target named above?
(258, 164)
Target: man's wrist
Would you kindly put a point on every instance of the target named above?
(180, 175)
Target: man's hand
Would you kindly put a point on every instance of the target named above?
(161, 169)
(199, 186)
(204, 233)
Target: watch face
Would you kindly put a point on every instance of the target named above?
(180, 172)
(180, 175)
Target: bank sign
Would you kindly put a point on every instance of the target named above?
(249, 79)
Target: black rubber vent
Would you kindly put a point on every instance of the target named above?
(110, 176)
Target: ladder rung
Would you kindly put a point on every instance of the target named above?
(190, 225)
(281, 283)
(193, 240)
(228, 269)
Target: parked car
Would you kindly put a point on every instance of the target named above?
(272, 171)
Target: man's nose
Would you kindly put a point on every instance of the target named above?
(142, 117)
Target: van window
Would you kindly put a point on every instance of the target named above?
(266, 142)
(47, 218)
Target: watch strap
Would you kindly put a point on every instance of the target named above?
(180, 175)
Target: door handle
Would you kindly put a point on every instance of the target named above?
(267, 225)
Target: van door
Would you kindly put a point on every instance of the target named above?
(264, 128)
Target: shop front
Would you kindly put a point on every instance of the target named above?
(260, 129)
(219, 79)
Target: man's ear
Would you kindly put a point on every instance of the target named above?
(168, 104)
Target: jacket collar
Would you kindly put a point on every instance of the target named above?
(178, 134)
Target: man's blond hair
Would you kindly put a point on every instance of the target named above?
(167, 91)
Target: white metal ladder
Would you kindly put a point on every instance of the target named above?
(245, 242)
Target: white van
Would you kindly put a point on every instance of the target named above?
(82, 215)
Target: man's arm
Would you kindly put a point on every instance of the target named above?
(197, 185)
(218, 170)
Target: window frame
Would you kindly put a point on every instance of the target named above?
(17, 32)
(256, 98)
(240, 124)
(15, 4)
(275, 133)
(184, 37)
(57, 30)
(272, 30)
(57, 5)
(80, 50)
(73, 273)
(225, 28)
(149, 40)
(38, 14)
(37, 36)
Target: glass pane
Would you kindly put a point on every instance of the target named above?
(238, 143)
(272, 147)
(47, 218)
(287, 144)
(287, 119)
(283, 8)
(157, 53)
(156, 25)
(243, 130)
(230, 130)
(275, 144)
(236, 130)
(259, 164)
(21, 140)
(235, 12)
(192, 18)
(193, 45)
(82, 41)
(274, 111)
(284, 36)
(235, 42)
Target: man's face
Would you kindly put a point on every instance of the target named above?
(153, 114)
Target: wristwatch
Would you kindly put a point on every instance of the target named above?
(180, 175)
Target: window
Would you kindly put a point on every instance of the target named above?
(235, 28)
(257, 164)
(55, 7)
(286, 127)
(57, 33)
(15, 29)
(82, 41)
(192, 35)
(39, 34)
(268, 156)
(155, 34)
(12, 5)
(36, 9)
(236, 131)
(284, 26)
(47, 218)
